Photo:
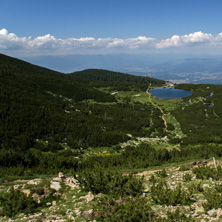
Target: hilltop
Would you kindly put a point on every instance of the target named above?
(110, 76)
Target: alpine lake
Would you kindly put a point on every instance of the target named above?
(169, 93)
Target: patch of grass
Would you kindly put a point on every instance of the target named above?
(177, 129)
(168, 105)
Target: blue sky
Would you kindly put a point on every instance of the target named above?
(35, 27)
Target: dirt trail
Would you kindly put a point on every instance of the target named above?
(176, 168)
(163, 116)
(150, 172)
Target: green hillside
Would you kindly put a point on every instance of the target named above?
(117, 80)
(46, 111)
(100, 128)
(200, 115)
(55, 82)
(110, 76)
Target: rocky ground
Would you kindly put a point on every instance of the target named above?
(70, 203)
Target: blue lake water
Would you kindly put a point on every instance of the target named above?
(167, 93)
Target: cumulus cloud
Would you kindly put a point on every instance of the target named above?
(48, 44)
(192, 38)
(12, 44)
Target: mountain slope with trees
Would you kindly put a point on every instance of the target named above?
(74, 123)
(46, 111)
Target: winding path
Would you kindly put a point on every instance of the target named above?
(163, 116)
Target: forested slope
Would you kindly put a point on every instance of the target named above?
(109, 76)
(52, 122)
(200, 115)
(46, 111)
(55, 82)
(117, 80)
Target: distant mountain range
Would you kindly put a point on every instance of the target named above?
(179, 68)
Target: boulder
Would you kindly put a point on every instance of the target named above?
(55, 185)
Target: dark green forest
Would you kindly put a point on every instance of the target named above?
(103, 127)
(199, 121)
(50, 121)
(46, 111)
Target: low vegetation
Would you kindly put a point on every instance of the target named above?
(103, 131)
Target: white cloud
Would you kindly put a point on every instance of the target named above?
(3, 32)
(174, 41)
(192, 38)
(11, 44)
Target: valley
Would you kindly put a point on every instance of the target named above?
(104, 130)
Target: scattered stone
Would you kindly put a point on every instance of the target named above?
(61, 175)
(77, 212)
(195, 215)
(72, 182)
(55, 185)
(53, 203)
(69, 212)
(34, 216)
(88, 214)
(206, 185)
(34, 182)
(78, 204)
(57, 179)
(26, 192)
(212, 212)
(88, 197)
(71, 217)
(16, 186)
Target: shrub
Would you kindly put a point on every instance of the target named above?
(162, 173)
(170, 126)
(214, 200)
(206, 172)
(161, 194)
(50, 198)
(123, 209)
(153, 179)
(131, 209)
(187, 177)
(184, 168)
(178, 216)
(14, 202)
(101, 180)
(196, 187)
(38, 190)
(218, 188)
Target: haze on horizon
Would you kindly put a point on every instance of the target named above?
(160, 30)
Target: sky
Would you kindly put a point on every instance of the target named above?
(66, 27)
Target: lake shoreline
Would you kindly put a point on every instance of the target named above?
(169, 93)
